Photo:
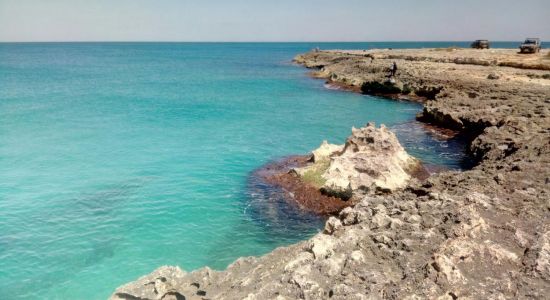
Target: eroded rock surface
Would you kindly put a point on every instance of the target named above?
(164, 283)
(372, 160)
(325, 151)
(477, 234)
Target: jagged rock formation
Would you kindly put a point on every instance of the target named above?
(325, 151)
(372, 160)
(480, 234)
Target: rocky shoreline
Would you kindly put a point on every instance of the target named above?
(372, 159)
(481, 233)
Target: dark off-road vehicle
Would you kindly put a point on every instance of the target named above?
(531, 45)
(480, 44)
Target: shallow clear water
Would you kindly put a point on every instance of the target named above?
(118, 158)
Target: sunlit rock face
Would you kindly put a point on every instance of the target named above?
(372, 160)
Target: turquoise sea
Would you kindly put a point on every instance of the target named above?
(117, 158)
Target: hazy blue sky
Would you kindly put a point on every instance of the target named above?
(272, 20)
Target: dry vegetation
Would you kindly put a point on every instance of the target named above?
(314, 175)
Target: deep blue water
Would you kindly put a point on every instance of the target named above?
(116, 158)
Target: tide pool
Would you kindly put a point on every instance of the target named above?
(117, 158)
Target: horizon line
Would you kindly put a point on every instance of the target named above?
(173, 41)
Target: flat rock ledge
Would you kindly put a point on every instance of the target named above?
(371, 161)
(479, 234)
(164, 283)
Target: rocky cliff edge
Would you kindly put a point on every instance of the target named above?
(479, 234)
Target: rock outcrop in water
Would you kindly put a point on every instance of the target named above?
(371, 161)
(479, 234)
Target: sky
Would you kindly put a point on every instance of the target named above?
(273, 20)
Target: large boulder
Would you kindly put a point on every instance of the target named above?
(371, 161)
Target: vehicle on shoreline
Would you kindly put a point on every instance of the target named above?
(480, 44)
(530, 45)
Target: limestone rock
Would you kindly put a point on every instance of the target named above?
(493, 76)
(325, 151)
(372, 160)
(322, 246)
(163, 283)
(543, 255)
(351, 216)
(332, 225)
(538, 257)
